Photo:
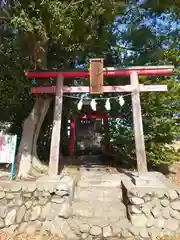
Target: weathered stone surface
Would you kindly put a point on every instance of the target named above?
(12, 187)
(20, 214)
(136, 201)
(166, 212)
(138, 220)
(135, 209)
(156, 212)
(175, 214)
(1, 223)
(9, 196)
(2, 194)
(54, 211)
(62, 224)
(43, 201)
(176, 205)
(84, 228)
(35, 202)
(144, 233)
(160, 222)
(46, 194)
(107, 231)
(36, 211)
(95, 231)
(10, 218)
(45, 210)
(65, 210)
(3, 211)
(27, 216)
(27, 195)
(29, 187)
(165, 202)
(28, 204)
(160, 194)
(126, 233)
(171, 224)
(33, 227)
(134, 230)
(172, 195)
(84, 236)
(62, 187)
(74, 225)
(154, 232)
(62, 193)
(47, 226)
(150, 221)
(58, 199)
(147, 198)
(22, 228)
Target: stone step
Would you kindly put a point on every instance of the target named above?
(110, 194)
(76, 221)
(99, 209)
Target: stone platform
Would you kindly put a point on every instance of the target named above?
(92, 205)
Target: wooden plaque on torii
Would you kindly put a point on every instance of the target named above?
(96, 76)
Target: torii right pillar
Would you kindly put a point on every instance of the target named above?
(138, 126)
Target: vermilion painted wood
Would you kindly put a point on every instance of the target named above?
(107, 73)
(103, 116)
(81, 89)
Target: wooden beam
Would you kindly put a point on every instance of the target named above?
(108, 72)
(138, 126)
(106, 89)
(96, 76)
(56, 129)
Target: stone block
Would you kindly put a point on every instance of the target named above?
(175, 214)
(172, 195)
(29, 187)
(156, 212)
(84, 228)
(138, 220)
(172, 224)
(12, 186)
(20, 214)
(45, 211)
(107, 231)
(136, 201)
(35, 213)
(176, 205)
(95, 230)
(10, 218)
(3, 211)
(2, 194)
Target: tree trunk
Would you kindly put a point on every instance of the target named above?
(27, 154)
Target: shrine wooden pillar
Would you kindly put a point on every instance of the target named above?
(138, 125)
(71, 138)
(56, 128)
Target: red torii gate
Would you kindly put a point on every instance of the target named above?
(135, 88)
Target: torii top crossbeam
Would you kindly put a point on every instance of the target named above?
(108, 72)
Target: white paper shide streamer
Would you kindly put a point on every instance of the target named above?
(121, 101)
(80, 104)
(108, 105)
(93, 104)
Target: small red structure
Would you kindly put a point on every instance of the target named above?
(72, 129)
(134, 88)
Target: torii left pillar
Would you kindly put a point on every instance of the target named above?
(56, 128)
